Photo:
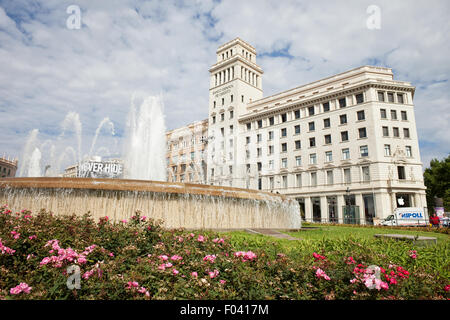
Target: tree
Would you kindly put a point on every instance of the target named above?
(437, 181)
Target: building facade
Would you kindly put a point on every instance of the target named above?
(8, 167)
(186, 153)
(345, 147)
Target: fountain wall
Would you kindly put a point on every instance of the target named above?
(189, 206)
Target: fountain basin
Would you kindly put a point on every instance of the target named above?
(190, 206)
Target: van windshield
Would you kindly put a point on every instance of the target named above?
(391, 217)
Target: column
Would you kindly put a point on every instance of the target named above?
(308, 209)
(360, 202)
(324, 210)
(340, 204)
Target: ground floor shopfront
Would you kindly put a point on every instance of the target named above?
(353, 207)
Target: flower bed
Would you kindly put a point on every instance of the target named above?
(137, 259)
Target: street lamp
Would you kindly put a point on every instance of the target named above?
(348, 202)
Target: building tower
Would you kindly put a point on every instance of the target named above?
(235, 81)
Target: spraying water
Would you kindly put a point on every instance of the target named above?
(145, 145)
(35, 164)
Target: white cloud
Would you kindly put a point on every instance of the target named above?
(168, 46)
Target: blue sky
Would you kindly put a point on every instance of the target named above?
(166, 47)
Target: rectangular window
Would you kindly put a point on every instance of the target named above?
(249, 126)
(311, 126)
(283, 117)
(326, 107)
(271, 121)
(328, 139)
(298, 145)
(230, 169)
(247, 154)
(328, 156)
(326, 123)
(385, 132)
(259, 137)
(270, 149)
(214, 104)
(298, 161)
(297, 129)
(284, 179)
(312, 158)
(362, 133)
(395, 132)
(271, 183)
(284, 163)
(231, 129)
(381, 96)
(270, 135)
(214, 119)
(231, 98)
(342, 103)
(393, 115)
(271, 164)
(405, 132)
(247, 140)
(312, 142)
(222, 131)
(242, 98)
(311, 111)
(364, 151)
(345, 154)
(283, 132)
(343, 118)
(347, 176)
(298, 180)
(390, 96)
(313, 179)
(259, 124)
(222, 116)
(383, 113)
(404, 115)
(400, 98)
(408, 151)
(401, 172)
(344, 136)
(258, 152)
(330, 177)
(359, 98)
(365, 173)
(231, 114)
(387, 150)
(360, 115)
(223, 101)
(297, 114)
(259, 166)
(284, 147)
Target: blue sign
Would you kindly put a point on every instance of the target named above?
(411, 215)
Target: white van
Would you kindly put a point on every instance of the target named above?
(412, 217)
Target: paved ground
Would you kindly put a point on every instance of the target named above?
(273, 233)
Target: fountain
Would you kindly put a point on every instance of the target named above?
(191, 206)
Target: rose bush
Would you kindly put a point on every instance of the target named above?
(137, 259)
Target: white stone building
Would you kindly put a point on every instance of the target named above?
(346, 140)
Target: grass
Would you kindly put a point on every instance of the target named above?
(341, 232)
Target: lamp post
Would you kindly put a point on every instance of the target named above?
(348, 202)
